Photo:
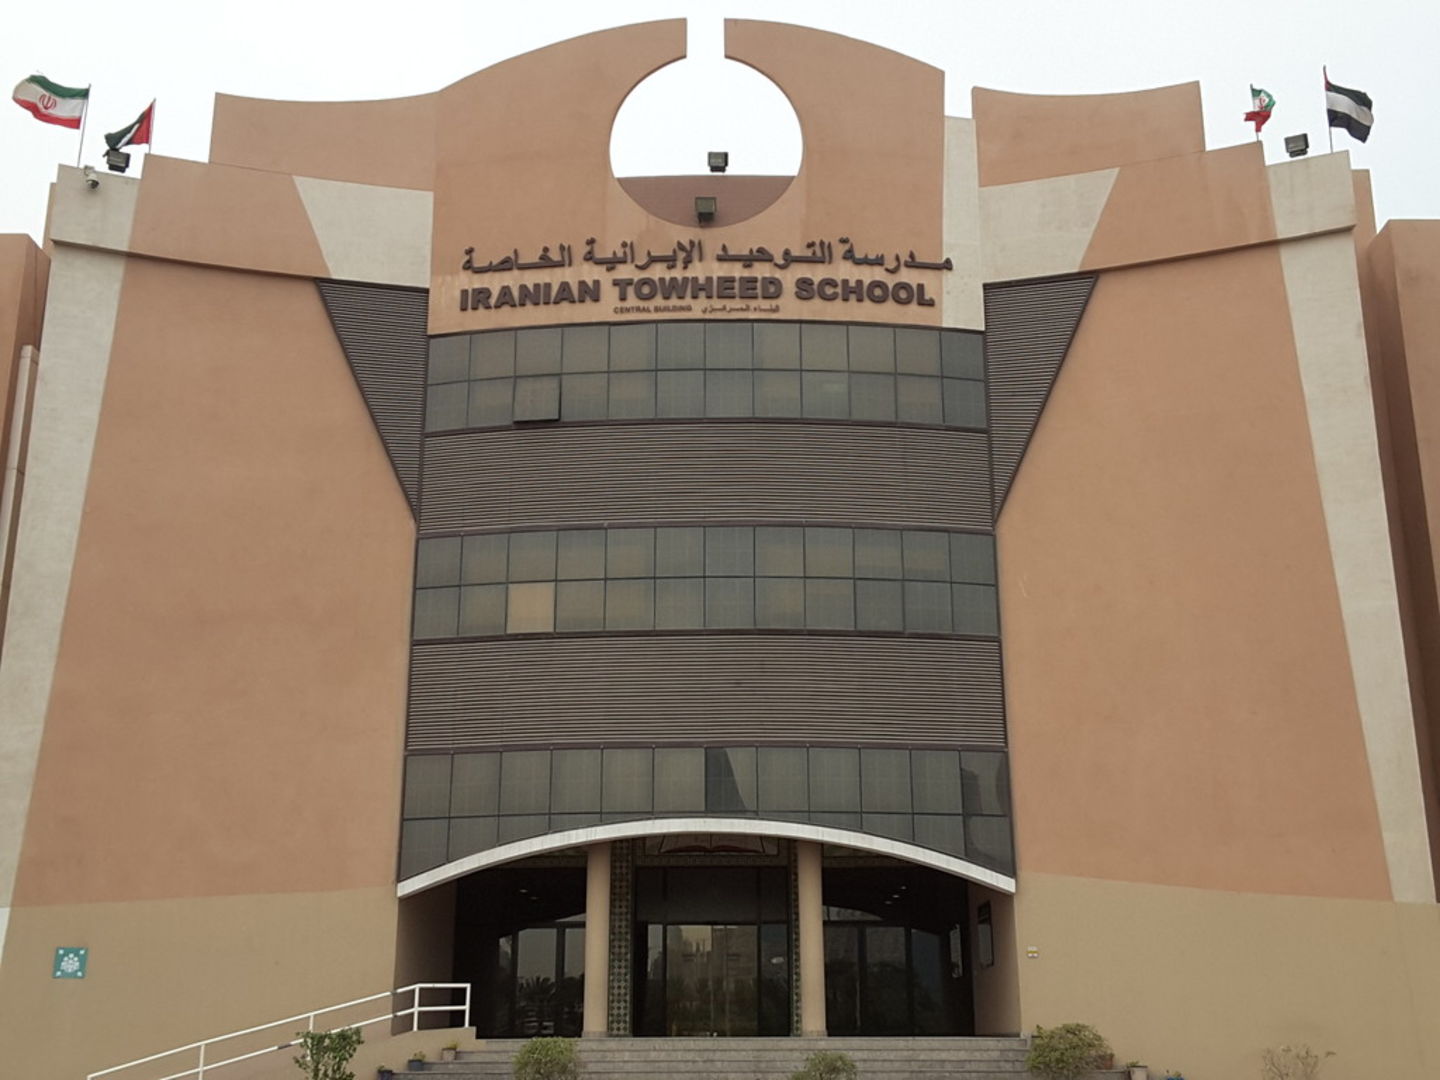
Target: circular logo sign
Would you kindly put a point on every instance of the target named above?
(48, 102)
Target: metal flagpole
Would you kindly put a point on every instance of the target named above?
(84, 115)
(1329, 131)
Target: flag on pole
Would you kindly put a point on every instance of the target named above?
(1262, 104)
(1348, 109)
(137, 131)
(50, 102)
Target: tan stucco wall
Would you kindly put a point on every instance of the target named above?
(1202, 980)
(24, 274)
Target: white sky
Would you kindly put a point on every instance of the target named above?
(182, 53)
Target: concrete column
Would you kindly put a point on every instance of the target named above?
(810, 923)
(597, 940)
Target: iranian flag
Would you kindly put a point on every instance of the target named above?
(50, 102)
(1262, 104)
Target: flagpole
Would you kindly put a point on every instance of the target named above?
(1329, 131)
(84, 115)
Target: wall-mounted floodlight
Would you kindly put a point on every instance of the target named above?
(1297, 145)
(705, 207)
(117, 160)
(719, 160)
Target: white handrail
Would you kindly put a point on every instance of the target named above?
(202, 1066)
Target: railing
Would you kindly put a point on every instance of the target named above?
(200, 1048)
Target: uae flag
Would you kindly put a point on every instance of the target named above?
(136, 132)
(50, 102)
(1348, 109)
(1262, 104)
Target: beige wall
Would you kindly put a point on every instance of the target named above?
(24, 274)
(997, 987)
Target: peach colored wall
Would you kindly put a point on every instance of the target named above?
(24, 272)
(997, 987)
(1180, 704)
(230, 690)
(1032, 136)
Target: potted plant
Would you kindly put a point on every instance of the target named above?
(416, 1062)
(1137, 1071)
(449, 1051)
(384, 1072)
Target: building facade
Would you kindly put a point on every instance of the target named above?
(984, 580)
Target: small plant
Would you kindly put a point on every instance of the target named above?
(547, 1059)
(452, 1045)
(827, 1065)
(1174, 1074)
(1067, 1052)
(1292, 1063)
(324, 1054)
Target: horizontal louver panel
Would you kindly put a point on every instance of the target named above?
(706, 472)
(715, 688)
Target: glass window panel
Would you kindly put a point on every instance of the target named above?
(482, 609)
(989, 842)
(778, 552)
(585, 348)
(449, 359)
(524, 781)
(877, 553)
(964, 403)
(728, 393)
(580, 605)
(885, 781)
(627, 780)
(975, 609)
(471, 835)
(927, 555)
(780, 603)
(730, 603)
(580, 553)
(829, 604)
(941, 833)
(680, 552)
(927, 607)
(730, 780)
(896, 826)
(532, 556)
(574, 781)
(632, 348)
(561, 822)
(530, 609)
(777, 393)
(917, 352)
(632, 395)
(872, 397)
(680, 345)
(777, 345)
(823, 347)
(492, 356)
(447, 406)
(986, 782)
(972, 557)
(727, 345)
(784, 778)
(423, 845)
(521, 827)
(630, 605)
(537, 352)
(872, 348)
(679, 603)
(437, 561)
(834, 778)
(679, 781)
(630, 553)
(427, 785)
(680, 393)
(826, 395)
(729, 550)
(537, 398)
(483, 558)
(962, 356)
(837, 821)
(936, 776)
(918, 400)
(829, 553)
(436, 612)
(879, 605)
(475, 784)
(490, 402)
(584, 397)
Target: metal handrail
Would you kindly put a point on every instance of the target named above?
(202, 1066)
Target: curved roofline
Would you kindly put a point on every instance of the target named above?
(626, 830)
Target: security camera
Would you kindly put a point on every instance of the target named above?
(91, 179)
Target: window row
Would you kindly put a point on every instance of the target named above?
(667, 395)
(498, 354)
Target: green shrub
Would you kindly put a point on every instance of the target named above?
(547, 1059)
(324, 1054)
(1292, 1063)
(827, 1065)
(1067, 1052)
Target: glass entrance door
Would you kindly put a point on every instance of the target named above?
(710, 980)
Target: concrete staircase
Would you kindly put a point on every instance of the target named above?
(754, 1059)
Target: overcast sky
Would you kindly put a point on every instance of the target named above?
(182, 54)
